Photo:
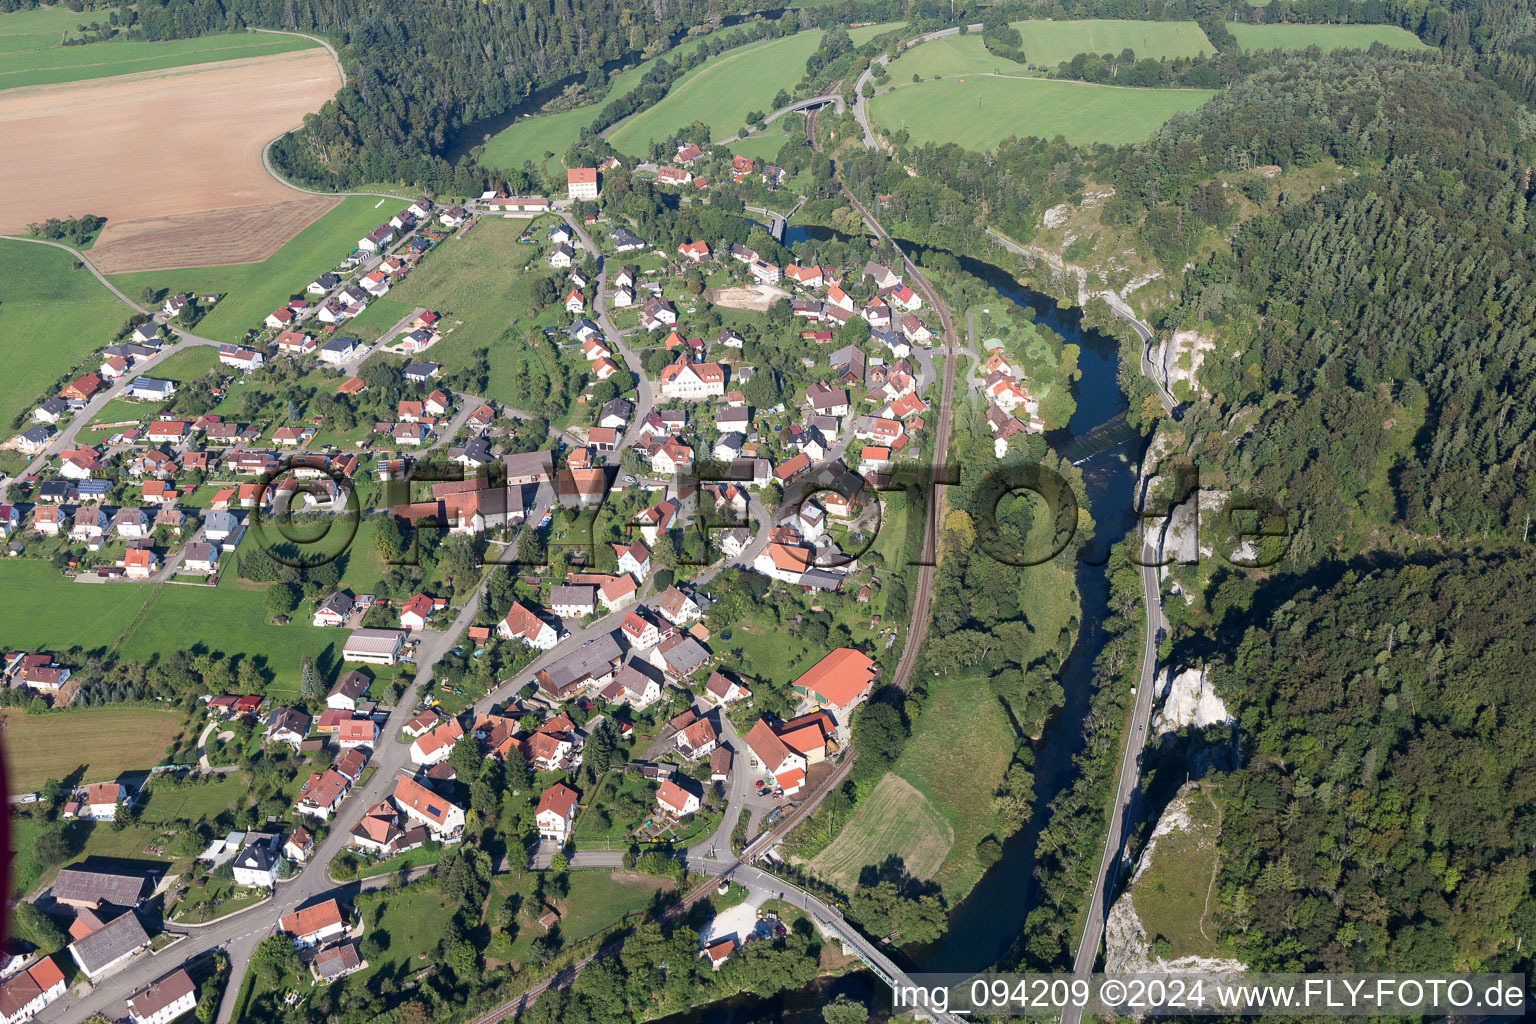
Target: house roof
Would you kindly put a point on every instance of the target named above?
(412, 794)
(767, 745)
(336, 961)
(112, 941)
(699, 734)
(521, 621)
(325, 788)
(559, 798)
(310, 920)
(839, 677)
(673, 796)
(96, 886)
(352, 685)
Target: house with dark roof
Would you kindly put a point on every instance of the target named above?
(77, 888)
(109, 946)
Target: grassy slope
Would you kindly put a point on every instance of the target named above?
(1174, 895)
(1329, 37)
(97, 614)
(722, 92)
(1049, 43)
(763, 147)
(40, 747)
(51, 317)
(979, 112)
(252, 290)
(532, 137)
(55, 64)
(894, 820)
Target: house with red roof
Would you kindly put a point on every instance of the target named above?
(557, 811)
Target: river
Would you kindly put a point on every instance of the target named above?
(986, 923)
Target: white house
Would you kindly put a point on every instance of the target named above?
(557, 809)
(524, 625)
(692, 381)
(256, 865)
(164, 1001)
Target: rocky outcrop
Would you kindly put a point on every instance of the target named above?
(1187, 700)
(1178, 358)
(1127, 946)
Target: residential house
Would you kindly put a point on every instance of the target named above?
(556, 813)
(592, 665)
(323, 794)
(692, 381)
(442, 817)
(725, 689)
(696, 739)
(573, 602)
(26, 992)
(436, 743)
(640, 629)
(110, 945)
(581, 182)
(315, 925)
(287, 725)
(256, 866)
(674, 801)
(523, 624)
(333, 609)
(838, 680)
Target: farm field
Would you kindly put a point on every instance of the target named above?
(30, 56)
(979, 111)
(1328, 37)
(51, 317)
(894, 820)
(722, 92)
(68, 141)
(252, 290)
(42, 747)
(1048, 43)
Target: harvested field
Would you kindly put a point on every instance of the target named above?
(896, 819)
(154, 146)
(757, 297)
(41, 747)
(244, 234)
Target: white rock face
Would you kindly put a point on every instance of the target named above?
(1188, 700)
(1057, 215)
(1183, 347)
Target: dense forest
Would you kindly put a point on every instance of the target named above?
(1385, 814)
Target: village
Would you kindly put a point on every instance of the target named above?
(612, 532)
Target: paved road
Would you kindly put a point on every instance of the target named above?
(813, 101)
(861, 105)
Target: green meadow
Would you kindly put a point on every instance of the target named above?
(722, 92)
(252, 290)
(32, 50)
(978, 112)
(51, 317)
(1326, 37)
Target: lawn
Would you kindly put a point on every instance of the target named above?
(411, 925)
(51, 317)
(232, 618)
(894, 820)
(765, 146)
(252, 290)
(31, 51)
(978, 112)
(1328, 37)
(1175, 895)
(144, 622)
(211, 901)
(722, 92)
(42, 747)
(597, 901)
(604, 819)
(189, 364)
(172, 803)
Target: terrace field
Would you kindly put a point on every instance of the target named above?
(51, 317)
(979, 111)
(1327, 37)
(52, 746)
